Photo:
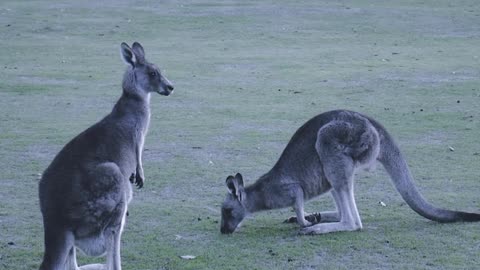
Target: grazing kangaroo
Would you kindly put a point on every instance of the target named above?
(85, 191)
(322, 156)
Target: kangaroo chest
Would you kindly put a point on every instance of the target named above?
(141, 128)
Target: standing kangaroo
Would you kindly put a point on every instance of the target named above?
(322, 156)
(85, 191)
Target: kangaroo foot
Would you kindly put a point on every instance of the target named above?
(93, 267)
(312, 218)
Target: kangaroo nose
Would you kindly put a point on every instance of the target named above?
(170, 87)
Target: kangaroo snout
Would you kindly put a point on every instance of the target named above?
(166, 87)
(166, 90)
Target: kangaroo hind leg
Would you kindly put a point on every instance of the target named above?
(112, 243)
(347, 210)
(114, 235)
(338, 168)
(108, 241)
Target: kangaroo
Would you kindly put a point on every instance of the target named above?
(84, 193)
(322, 156)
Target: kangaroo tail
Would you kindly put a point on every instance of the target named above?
(396, 166)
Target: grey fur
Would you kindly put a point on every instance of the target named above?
(84, 193)
(322, 156)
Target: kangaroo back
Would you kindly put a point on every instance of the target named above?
(396, 166)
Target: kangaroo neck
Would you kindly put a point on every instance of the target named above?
(131, 104)
(131, 95)
(255, 195)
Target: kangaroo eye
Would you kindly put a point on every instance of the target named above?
(153, 74)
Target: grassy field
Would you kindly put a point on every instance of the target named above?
(247, 74)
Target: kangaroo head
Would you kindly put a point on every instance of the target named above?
(142, 77)
(233, 208)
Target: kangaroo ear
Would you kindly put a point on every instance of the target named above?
(127, 54)
(235, 186)
(239, 178)
(138, 51)
(231, 185)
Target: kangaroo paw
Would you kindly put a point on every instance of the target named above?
(139, 181)
(314, 218)
(290, 220)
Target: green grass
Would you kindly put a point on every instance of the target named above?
(247, 74)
